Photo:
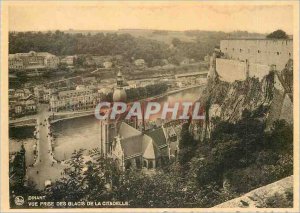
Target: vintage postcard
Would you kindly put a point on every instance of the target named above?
(149, 106)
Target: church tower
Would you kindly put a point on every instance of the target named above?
(119, 92)
(108, 128)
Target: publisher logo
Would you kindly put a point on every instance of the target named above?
(19, 200)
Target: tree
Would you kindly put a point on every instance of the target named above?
(162, 189)
(186, 145)
(62, 67)
(176, 42)
(18, 185)
(86, 180)
(147, 91)
(280, 139)
(278, 34)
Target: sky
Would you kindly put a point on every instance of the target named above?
(150, 15)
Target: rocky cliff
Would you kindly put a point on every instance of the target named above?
(270, 98)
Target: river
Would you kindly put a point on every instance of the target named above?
(83, 132)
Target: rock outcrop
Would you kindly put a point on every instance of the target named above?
(271, 97)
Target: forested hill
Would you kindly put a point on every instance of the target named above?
(168, 35)
(152, 46)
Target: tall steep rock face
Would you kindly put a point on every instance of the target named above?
(269, 99)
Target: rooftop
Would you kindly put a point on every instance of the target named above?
(32, 53)
(134, 143)
(158, 136)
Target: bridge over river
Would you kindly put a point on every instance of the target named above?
(45, 167)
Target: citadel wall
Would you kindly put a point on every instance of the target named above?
(259, 51)
(231, 70)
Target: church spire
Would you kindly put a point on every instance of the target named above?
(119, 93)
(120, 82)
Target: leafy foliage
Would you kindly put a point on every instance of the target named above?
(134, 94)
(83, 180)
(18, 186)
(186, 145)
(245, 154)
(278, 34)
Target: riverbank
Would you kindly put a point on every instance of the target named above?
(173, 92)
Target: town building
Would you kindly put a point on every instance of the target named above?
(33, 60)
(100, 60)
(38, 92)
(68, 60)
(21, 103)
(105, 61)
(47, 93)
(22, 93)
(132, 84)
(188, 79)
(105, 90)
(107, 64)
(15, 62)
(139, 62)
(78, 99)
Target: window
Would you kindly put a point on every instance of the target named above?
(241, 50)
(277, 53)
(290, 54)
(258, 51)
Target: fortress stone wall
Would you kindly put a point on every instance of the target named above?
(258, 70)
(231, 70)
(259, 51)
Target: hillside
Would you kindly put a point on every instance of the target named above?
(167, 36)
(246, 141)
(156, 47)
